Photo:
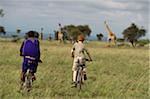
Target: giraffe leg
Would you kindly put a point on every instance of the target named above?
(114, 42)
(109, 42)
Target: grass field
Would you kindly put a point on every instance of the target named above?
(115, 73)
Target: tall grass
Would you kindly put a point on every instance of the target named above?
(114, 73)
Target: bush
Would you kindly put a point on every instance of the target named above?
(16, 38)
(120, 39)
(143, 42)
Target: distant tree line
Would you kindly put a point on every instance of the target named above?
(71, 32)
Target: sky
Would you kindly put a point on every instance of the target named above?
(34, 14)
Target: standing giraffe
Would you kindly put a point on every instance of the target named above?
(60, 34)
(111, 36)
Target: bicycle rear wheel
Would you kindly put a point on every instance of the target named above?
(28, 80)
(79, 79)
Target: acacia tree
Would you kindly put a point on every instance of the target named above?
(73, 31)
(18, 31)
(2, 30)
(85, 30)
(99, 36)
(133, 33)
(16, 35)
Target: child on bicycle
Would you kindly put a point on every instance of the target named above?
(78, 53)
(30, 50)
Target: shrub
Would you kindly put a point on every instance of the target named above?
(143, 42)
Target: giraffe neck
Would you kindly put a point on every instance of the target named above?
(111, 34)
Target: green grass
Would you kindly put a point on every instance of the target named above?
(115, 73)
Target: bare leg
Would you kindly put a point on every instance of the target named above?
(74, 76)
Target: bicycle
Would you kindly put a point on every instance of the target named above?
(80, 74)
(27, 84)
(28, 80)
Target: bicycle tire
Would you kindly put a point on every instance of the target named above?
(28, 80)
(79, 81)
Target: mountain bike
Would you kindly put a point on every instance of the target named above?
(28, 80)
(27, 84)
(80, 75)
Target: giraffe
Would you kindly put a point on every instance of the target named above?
(60, 34)
(111, 36)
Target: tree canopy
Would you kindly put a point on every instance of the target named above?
(99, 36)
(2, 30)
(133, 33)
(73, 31)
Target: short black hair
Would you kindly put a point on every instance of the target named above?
(30, 34)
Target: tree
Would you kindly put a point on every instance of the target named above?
(16, 35)
(73, 31)
(2, 30)
(85, 30)
(99, 36)
(18, 31)
(133, 33)
(1, 12)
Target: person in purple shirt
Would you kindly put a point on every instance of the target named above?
(30, 50)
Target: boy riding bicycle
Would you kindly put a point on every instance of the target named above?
(78, 53)
(30, 51)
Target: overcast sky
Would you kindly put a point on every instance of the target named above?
(34, 14)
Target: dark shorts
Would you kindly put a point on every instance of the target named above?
(29, 64)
